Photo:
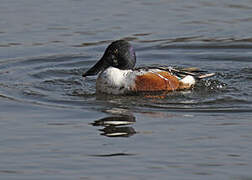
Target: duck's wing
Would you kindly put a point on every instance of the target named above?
(193, 71)
(180, 72)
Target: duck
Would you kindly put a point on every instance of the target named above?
(117, 73)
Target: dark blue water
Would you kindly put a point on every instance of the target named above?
(54, 126)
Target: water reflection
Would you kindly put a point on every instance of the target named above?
(112, 131)
(116, 125)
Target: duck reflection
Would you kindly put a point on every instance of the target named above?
(116, 126)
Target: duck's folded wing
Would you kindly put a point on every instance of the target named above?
(193, 71)
(181, 72)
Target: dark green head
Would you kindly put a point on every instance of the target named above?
(119, 54)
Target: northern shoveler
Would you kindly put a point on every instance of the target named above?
(118, 75)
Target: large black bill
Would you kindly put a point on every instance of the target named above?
(99, 66)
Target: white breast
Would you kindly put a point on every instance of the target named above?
(115, 81)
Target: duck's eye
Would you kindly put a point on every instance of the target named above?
(114, 59)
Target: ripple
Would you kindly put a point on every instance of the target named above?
(10, 172)
(43, 78)
(56, 81)
(112, 155)
(92, 43)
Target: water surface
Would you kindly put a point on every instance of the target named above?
(54, 126)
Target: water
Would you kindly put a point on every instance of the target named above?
(54, 126)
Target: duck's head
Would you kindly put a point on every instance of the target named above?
(119, 54)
